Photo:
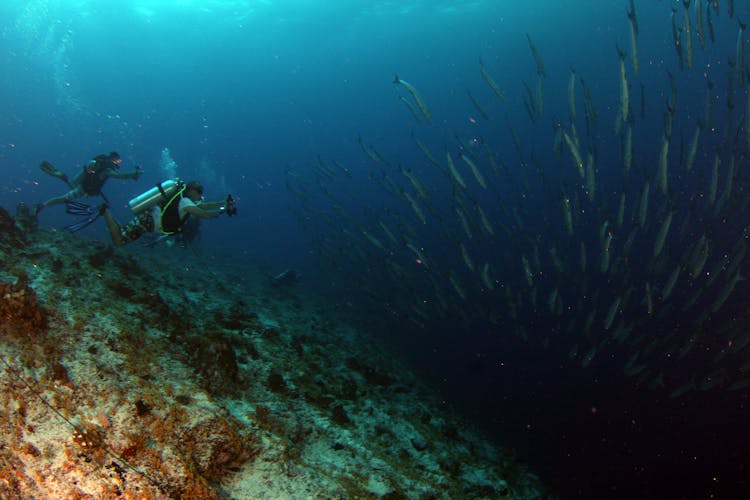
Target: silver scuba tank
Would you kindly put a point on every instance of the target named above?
(162, 192)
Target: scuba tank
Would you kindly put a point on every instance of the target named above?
(157, 194)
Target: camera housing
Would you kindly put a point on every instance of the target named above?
(231, 206)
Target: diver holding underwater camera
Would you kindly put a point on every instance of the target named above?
(164, 209)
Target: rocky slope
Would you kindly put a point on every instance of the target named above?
(132, 373)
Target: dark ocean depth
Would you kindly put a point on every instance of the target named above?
(545, 205)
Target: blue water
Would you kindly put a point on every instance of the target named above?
(248, 94)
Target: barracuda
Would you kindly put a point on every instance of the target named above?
(633, 37)
(661, 236)
(688, 34)
(417, 98)
(494, 86)
(454, 172)
(575, 154)
(474, 170)
(537, 57)
(643, 207)
(624, 92)
(662, 174)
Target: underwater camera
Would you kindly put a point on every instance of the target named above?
(231, 206)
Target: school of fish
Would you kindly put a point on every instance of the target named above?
(636, 258)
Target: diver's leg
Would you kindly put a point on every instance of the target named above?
(69, 196)
(115, 231)
(137, 227)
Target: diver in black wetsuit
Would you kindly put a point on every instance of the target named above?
(90, 179)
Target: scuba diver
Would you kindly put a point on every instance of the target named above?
(164, 209)
(90, 179)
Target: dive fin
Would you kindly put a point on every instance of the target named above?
(92, 216)
(48, 168)
(77, 226)
(78, 208)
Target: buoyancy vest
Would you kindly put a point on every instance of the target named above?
(171, 222)
(94, 176)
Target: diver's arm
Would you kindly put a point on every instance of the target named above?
(116, 174)
(212, 205)
(203, 212)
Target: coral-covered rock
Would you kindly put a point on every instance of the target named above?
(7, 224)
(277, 383)
(25, 220)
(144, 376)
(214, 359)
(216, 448)
(19, 310)
(10, 234)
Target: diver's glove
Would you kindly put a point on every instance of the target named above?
(230, 206)
(138, 172)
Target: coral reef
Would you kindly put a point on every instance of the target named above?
(130, 374)
(20, 312)
(12, 235)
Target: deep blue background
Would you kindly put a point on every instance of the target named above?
(252, 88)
